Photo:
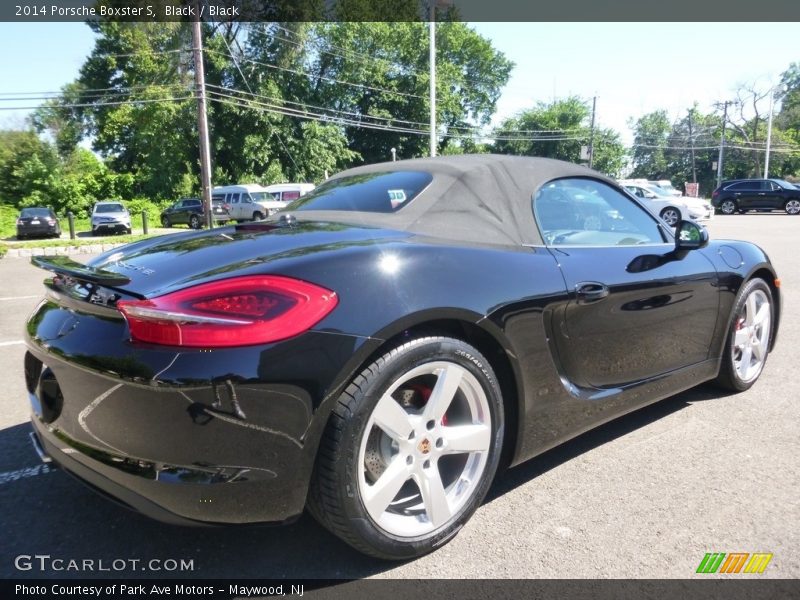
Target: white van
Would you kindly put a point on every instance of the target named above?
(248, 201)
(286, 192)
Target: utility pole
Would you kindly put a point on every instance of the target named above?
(591, 133)
(769, 133)
(202, 121)
(722, 142)
(432, 64)
(691, 143)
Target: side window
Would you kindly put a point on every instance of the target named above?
(287, 196)
(586, 212)
(246, 198)
(234, 199)
(738, 187)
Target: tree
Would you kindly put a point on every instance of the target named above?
(650, 146)
(558, 130)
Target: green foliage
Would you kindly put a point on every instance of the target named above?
(651, 134)
(558, 130)
(139, 205)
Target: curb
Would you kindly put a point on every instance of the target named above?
(60, 250)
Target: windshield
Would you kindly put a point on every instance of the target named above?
(784, 184)
(109, 208)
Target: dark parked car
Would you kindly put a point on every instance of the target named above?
(37, 222)
(378, 349)
(191, 212)
(741, 195)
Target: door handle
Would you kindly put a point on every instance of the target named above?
(590, 291)
(762, 194)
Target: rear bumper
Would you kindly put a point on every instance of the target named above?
(184, 436)
(51, 451)
(37, 230)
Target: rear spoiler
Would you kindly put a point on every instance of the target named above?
(63, 265)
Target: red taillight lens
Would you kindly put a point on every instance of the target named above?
(715, 193)
(235, 312)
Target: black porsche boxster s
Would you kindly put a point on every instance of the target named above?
(377, 350)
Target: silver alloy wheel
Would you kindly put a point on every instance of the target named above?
(671, 216)
(751, 336)
(792, 207)
(728, 207)
(419, 466)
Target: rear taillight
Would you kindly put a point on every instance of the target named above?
(715, 193)
(234, 312)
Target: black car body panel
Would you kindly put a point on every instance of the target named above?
(230, 435)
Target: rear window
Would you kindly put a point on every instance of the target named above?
(36, 212)
(370, 192)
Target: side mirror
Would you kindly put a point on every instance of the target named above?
(690, 236)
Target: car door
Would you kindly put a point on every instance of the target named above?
(236, 206)
(636, 309)
(775, 196)
(178, 213)
(749, 194)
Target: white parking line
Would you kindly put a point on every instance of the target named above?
(13, 343)
(20, 297)
(10, 476)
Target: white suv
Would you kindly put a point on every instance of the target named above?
(111, 217)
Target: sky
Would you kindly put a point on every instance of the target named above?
(632, 68)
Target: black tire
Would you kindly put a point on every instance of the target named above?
(671, 216)
(353, 449)
(257, 216)
(194, 222)
(792, 206)
(128, 230)
(728, 207)
(732, 376)
(165, 222)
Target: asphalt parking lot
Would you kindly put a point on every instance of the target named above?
(643, 497)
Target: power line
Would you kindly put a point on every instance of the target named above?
(272, 129)
(321, 77)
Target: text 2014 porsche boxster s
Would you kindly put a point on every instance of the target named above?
(378, 349)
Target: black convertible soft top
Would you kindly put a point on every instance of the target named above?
(483, 198)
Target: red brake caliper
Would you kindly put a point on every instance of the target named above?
(425, 393)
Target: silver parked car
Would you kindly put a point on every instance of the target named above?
(110, 217)
(669, 208)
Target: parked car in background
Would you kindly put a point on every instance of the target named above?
(286, 192)
(666, 207)
(110, 217)
(247, 202)
(512, 303)
(191, 212)
(666, 186)
(741, 195)
(37, 221)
